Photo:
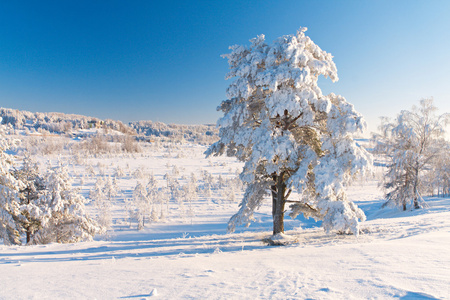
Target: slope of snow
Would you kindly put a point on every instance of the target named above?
(398, 255)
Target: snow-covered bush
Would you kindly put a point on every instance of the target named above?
(97, 144)
(90, 170)
(138, 173)
(130, 145)
(119, 172)
(48, 145)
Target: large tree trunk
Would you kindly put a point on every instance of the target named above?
(278, 203)
(28, 235)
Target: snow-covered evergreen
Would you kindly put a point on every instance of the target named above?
(291, 136)
(31, 211)
(66, 219)
(9, 196)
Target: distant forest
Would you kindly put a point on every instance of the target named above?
(60, 123)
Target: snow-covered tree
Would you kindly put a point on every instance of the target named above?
(207, 180)
(9, 198)
(412, 142)
(440, 173)
(67, 220)
(142, 204)
(152, 184)
(110, 189)
(290, 135)
(192, 187)
(97, 191)
(163, 198)
(172, 185)
(153, 197)
(102, 202)
(129, 210)
(30, 219)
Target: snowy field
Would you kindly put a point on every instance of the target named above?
(186, 252)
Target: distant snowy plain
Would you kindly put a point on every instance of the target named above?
(189, 255)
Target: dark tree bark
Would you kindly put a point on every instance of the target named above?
(29, 233)
(278, 203)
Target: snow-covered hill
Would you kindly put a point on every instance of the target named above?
(60, 123)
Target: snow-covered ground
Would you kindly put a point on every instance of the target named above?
(189, 255)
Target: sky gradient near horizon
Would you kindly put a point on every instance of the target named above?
(160, 60)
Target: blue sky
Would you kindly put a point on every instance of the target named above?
(160, 60)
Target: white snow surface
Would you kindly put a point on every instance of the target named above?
(398, 255)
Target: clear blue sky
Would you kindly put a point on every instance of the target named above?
(160, 60)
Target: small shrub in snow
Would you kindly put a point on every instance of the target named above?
(119, 173)
(90, 170)
(175, 171)
(138, 173)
